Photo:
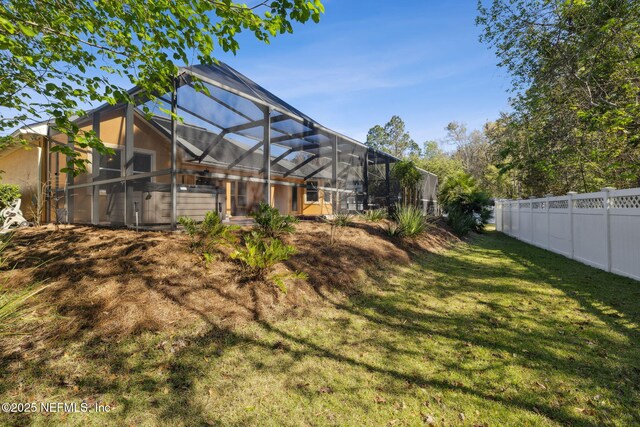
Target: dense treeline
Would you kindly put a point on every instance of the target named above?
(467, 175)
(462, 151)
(575, 119)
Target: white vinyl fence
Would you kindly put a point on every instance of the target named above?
(599, 229)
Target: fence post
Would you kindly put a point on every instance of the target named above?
(519, 235)
(607, 226)
(512, 214)
(546, 205)
(570, 194)
(531, 223)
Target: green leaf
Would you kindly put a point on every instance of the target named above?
(138, 43)
(26, 30)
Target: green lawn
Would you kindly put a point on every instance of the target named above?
(492, 332)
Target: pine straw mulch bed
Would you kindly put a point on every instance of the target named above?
(107, 284)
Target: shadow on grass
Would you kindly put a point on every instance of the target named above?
(526, 308)
(498, 326)
(614, 299)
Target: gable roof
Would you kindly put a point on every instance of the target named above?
(38, 128)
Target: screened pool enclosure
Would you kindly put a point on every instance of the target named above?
(234, 146)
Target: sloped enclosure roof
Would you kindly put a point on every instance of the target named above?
(224, 74)
(195, 140)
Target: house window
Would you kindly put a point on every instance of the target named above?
(311, 195)
(142, 164)
(111, 165)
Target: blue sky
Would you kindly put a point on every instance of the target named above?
(368, 60)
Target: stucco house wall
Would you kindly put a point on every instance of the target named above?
(25, 166)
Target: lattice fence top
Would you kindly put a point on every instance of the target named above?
(625, 202)
(631, 201)
(559, 204)
(592, 203)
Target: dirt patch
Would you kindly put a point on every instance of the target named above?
(105, 284)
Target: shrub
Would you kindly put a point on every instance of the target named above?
(270, 223)
(36, 209)
(8, 193)
(375, 215)
(394, 230)
(461, 222)
(213, 227)
(408, 222)
(206, 234)
(190, 225)
(411, 221)
(460, 193)
(259, 255)
(342, 219)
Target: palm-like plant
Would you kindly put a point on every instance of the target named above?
(460, 195)
(411, 221)
(375, 215)
(271, 223)
(204, 235)
(259, 255)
